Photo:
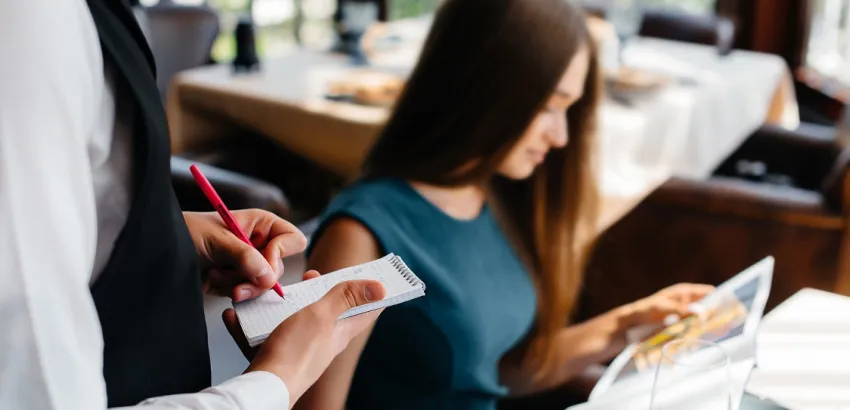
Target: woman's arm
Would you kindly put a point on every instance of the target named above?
(581, 346)
(599, 339)
(345, 242)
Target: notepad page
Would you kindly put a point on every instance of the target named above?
(260, 316)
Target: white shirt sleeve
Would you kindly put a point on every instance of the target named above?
(255, 390)
(51, 346)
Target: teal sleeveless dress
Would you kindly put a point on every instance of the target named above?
(441, 351)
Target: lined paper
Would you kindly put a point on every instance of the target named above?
(259, 317)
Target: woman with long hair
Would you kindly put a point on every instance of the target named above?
(482, 181)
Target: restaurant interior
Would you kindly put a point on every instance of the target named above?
(722, 139)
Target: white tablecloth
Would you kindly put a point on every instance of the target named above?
(803, 353)
(689, 127)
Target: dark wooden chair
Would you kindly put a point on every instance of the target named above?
(707, 231)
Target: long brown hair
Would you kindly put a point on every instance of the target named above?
(486, 70)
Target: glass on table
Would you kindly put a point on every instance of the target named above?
(692, 374)
(627, 17)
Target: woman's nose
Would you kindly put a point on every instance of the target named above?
(558, 135)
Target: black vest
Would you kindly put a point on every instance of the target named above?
(148, 296)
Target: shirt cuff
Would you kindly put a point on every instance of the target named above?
(257, 390)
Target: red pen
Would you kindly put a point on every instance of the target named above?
(225, 214)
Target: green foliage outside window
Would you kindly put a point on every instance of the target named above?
(411, 8)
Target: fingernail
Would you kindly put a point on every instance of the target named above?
(371, 290)
(263, 273)
(243, 294)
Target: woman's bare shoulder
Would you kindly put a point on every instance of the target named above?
(344, 242)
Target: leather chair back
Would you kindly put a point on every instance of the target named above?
(678, 25)
(805, 161)
(181, 37)
(673, 24)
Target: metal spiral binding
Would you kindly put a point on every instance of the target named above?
(405, 272)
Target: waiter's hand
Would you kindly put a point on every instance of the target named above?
(303, 346)
(233, 268)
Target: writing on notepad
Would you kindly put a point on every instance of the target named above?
(259, 317)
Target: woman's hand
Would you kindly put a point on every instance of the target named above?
(600, 339)
(233, 268)
(674, 300)
(303, 346)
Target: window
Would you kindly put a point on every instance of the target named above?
(181, 2)
(411, 8)
(281, 24)
(828, 47)
(695, 6)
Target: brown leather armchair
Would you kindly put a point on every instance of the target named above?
(706, 231)
(308, 188)
(236, 190)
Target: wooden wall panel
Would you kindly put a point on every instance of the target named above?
(771, 26)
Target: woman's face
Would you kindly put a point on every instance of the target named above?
(548, 129)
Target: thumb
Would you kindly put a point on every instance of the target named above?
(247, 260)
(350, 294)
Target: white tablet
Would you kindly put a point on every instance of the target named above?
(729, 316)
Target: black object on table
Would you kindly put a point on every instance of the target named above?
(246, 59)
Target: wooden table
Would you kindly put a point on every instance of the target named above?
(285, 101)
(641, 146)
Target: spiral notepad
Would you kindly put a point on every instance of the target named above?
(260, 316)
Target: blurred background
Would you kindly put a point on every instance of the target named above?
(722, 137)
(285, 24)
(282, 25)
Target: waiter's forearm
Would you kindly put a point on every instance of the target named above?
(254, 390)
